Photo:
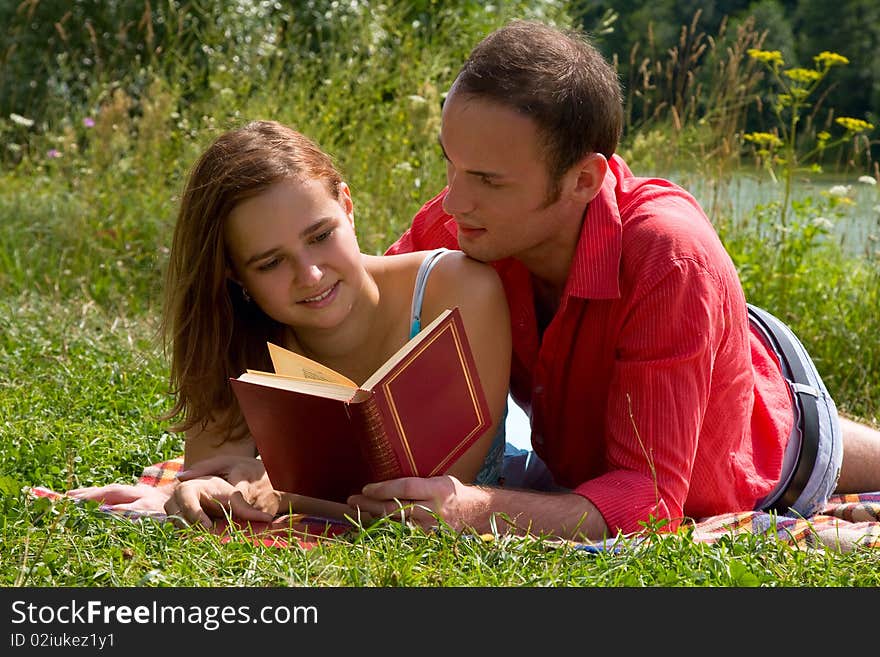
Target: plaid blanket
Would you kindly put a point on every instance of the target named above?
(284, 532)
(846, 521)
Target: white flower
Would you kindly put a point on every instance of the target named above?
(21, 120)
(867, 180)
(823, 222)
(839, 190)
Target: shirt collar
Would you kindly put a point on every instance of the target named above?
(595, 267)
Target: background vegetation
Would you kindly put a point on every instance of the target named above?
(104, 105)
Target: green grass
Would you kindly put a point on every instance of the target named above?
(75, 545)
(83, 240)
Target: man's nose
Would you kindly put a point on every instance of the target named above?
(457, 200)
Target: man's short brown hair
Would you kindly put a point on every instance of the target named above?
(555, 77)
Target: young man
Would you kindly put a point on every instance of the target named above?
(654, 391)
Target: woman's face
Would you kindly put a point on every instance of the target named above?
(293, 248)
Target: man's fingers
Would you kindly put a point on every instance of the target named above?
(374, 508)
(406, 488)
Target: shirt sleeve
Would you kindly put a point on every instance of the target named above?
(658, 397)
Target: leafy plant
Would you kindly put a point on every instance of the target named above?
(782, 149)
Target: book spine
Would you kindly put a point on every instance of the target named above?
(377, 450)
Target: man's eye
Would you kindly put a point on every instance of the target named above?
(323, 236)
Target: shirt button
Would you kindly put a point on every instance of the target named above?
(539, 390)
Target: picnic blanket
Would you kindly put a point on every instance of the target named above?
(285, 531)
(846, 521)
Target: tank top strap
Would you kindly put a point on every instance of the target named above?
(419, 290)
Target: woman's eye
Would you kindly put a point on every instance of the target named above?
(269, 264)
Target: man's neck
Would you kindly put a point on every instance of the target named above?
(550, 260)
(547, 297)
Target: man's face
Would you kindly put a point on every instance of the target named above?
(499, 184)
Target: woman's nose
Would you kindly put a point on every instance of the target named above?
(308, 274)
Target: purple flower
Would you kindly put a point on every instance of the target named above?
(52, 153)
(89, 122)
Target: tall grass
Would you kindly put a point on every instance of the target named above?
(88, 191)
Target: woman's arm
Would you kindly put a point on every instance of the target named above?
(208, 441)
(476, 289)
(221, 474)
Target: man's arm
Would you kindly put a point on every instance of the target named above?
(563, 515)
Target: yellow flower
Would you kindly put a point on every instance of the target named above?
(823, 136)
(767, 139)
(771, 57)
(854, 125)
(803, 75)
(829, 59)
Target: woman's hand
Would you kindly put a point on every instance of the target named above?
(221, 485)
(123, 497)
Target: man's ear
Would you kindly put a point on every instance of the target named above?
(347, 203)
(590, 174)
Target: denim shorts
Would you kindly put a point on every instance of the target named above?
(523, 468)
(820, 480)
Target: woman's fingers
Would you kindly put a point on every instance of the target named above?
(240, 509)
(109, 494)
(189, 503)
(140, 497)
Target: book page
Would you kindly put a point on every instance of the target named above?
(291, 364)
(317, 388)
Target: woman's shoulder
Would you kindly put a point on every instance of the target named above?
(458, 279)
(458, 264)
(453, 275)
(452, 262)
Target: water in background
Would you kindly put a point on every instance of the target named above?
(858, 229)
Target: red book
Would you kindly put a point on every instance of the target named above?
(319, 434)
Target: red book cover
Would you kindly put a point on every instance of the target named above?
(414, 417)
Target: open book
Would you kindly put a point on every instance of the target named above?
(321, 435)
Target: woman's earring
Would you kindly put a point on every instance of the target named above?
(245, 295)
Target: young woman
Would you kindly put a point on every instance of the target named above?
(264, 250)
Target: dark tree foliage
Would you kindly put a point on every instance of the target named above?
(850, 28)
(798, 28)
(61, 51)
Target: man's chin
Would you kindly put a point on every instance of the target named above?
(473, 251)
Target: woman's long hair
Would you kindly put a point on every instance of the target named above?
(211, 329)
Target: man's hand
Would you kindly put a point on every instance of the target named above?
(221, 485)
(124, 497)
(423, 501)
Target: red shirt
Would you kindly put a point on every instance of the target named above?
(648, 393)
